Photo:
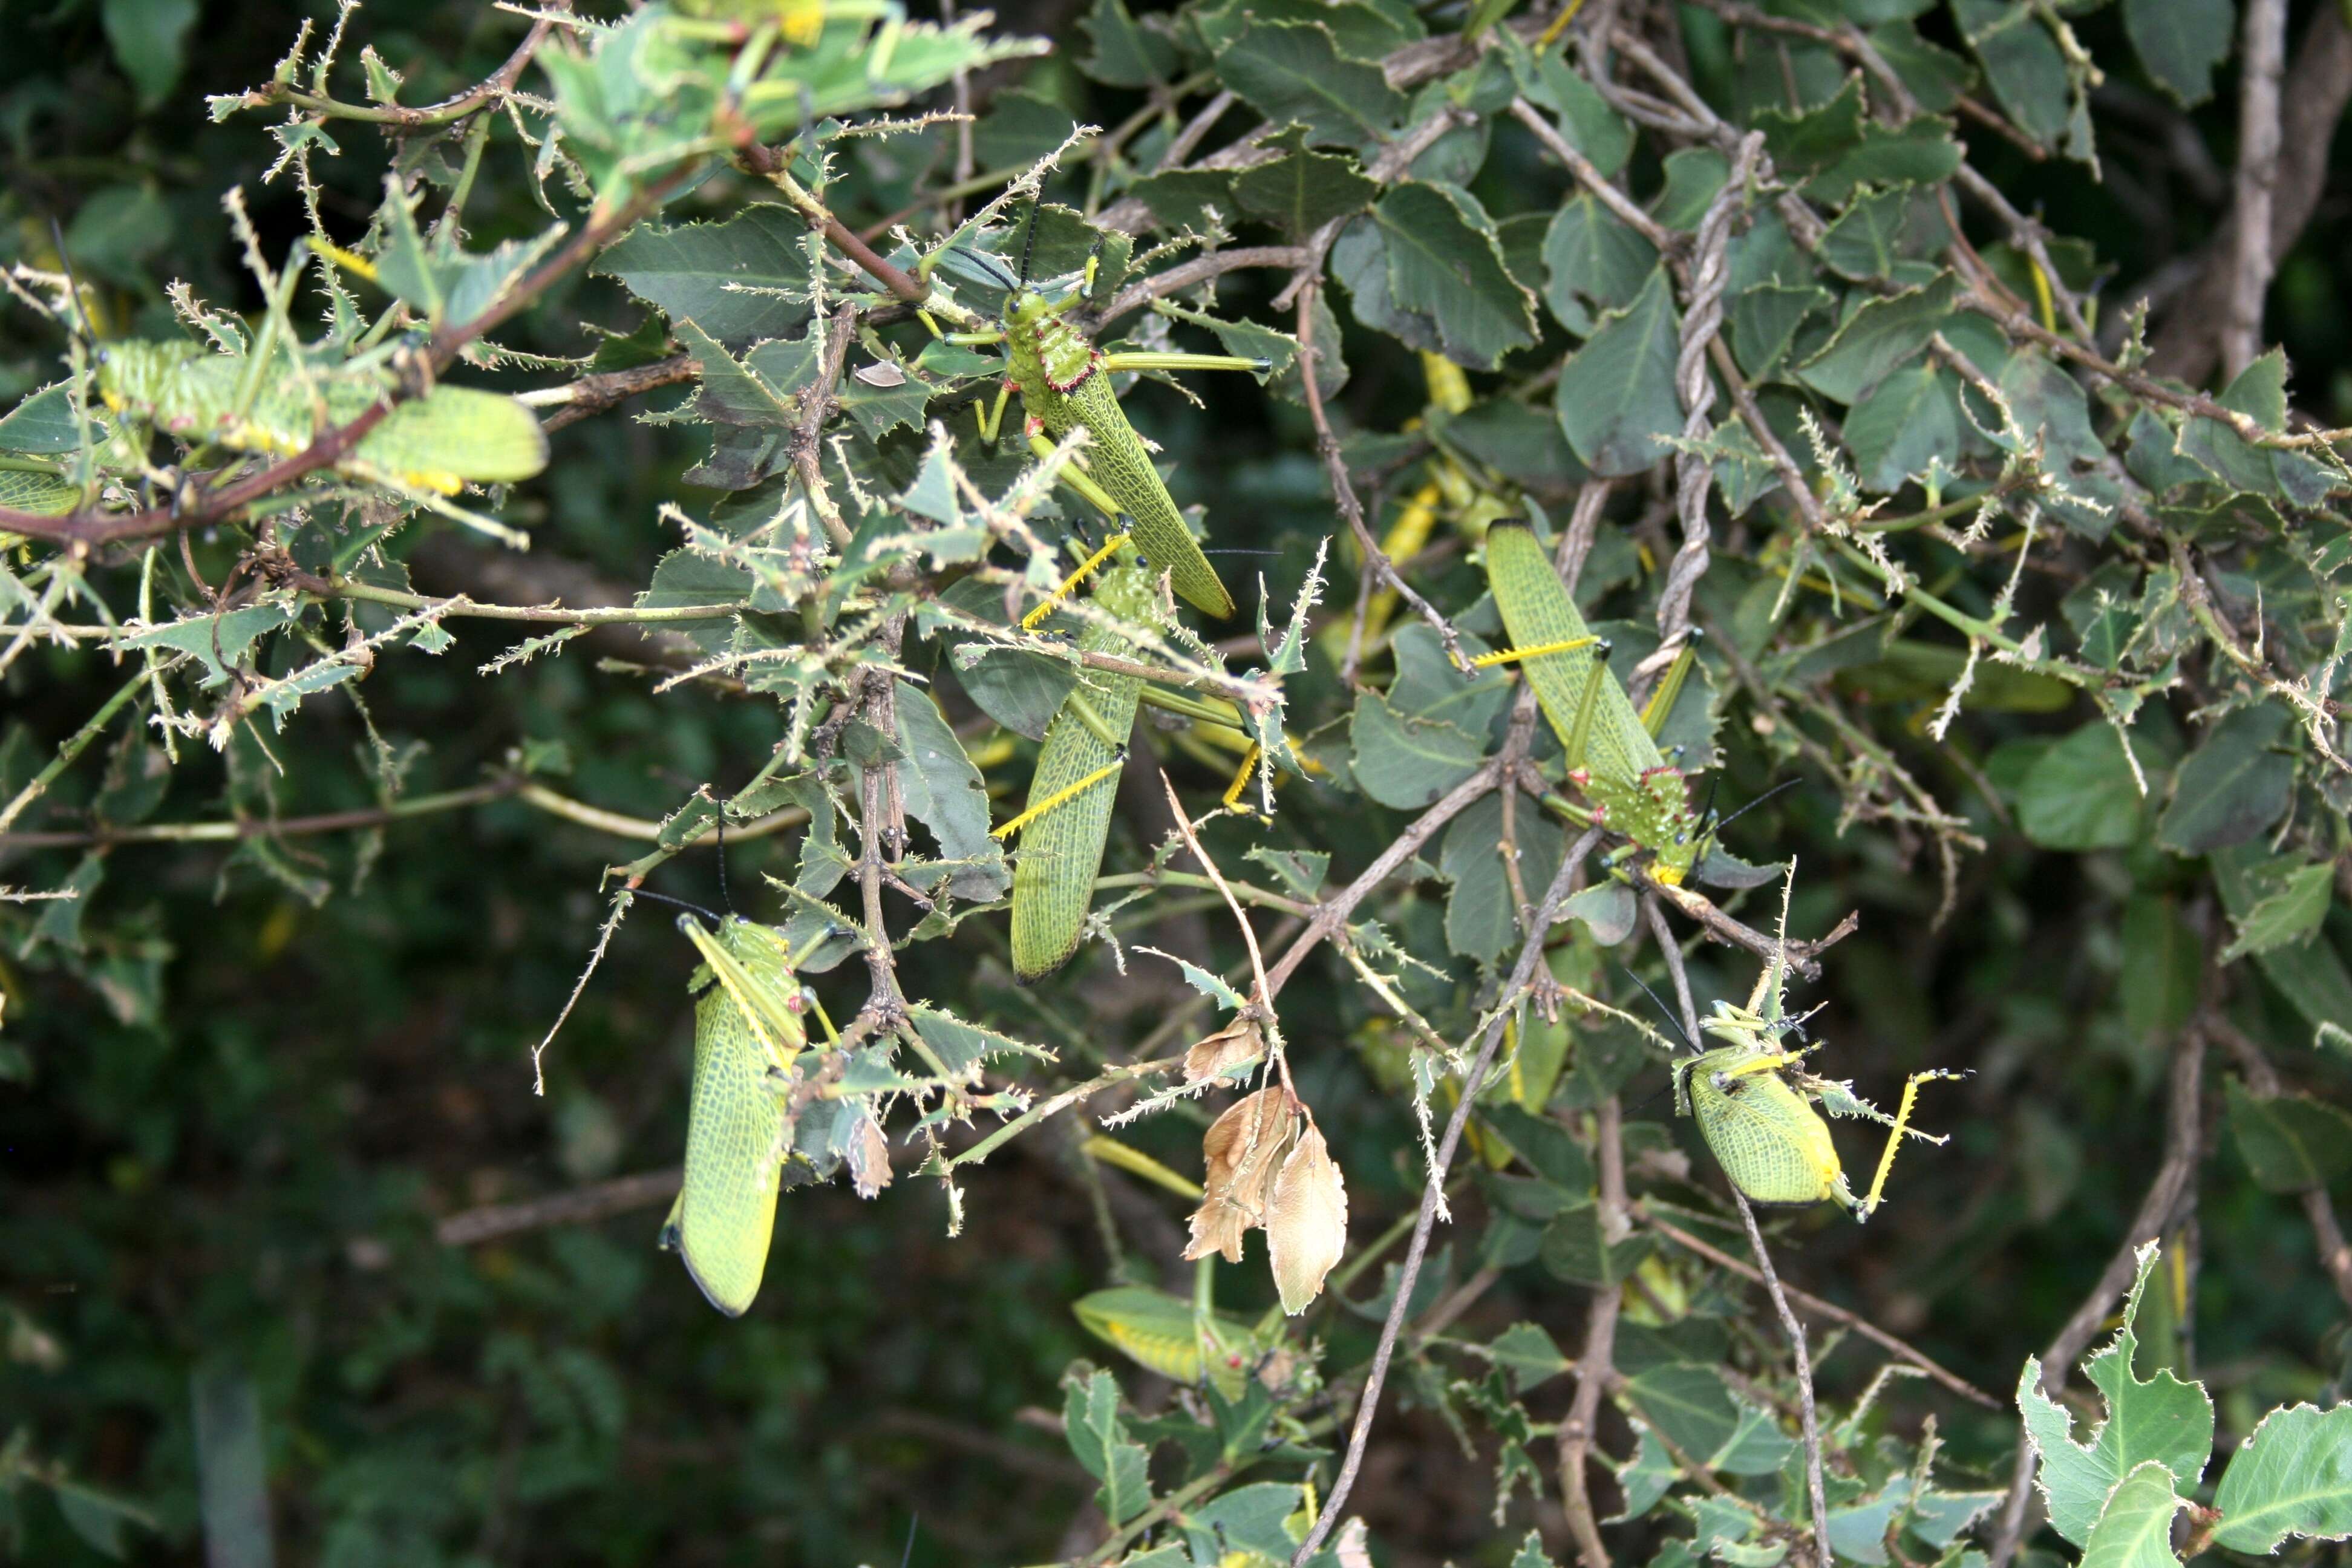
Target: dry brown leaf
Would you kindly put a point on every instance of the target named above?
(869, 1157)
(1306, 1222)
(1352, 1546)
(1238, 1042)
(1241, 1150)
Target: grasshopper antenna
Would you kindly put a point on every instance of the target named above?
(1715, 829)
(714, 917)
(1661, 1007)
(719, 831)
(1029, 241)
(73, 287)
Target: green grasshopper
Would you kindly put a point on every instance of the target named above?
(1173, 1337)
(748, 1032)
(1756, 1110)
(1064, 384)
(451, 436)
(1612, 751)
(1068, 817)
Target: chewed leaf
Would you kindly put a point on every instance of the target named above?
(2292, 1476)
(1240, 1151)
(1306, 1221)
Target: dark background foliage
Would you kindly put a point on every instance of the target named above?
(235, 1151)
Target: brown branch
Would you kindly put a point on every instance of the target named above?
(1596, 1367)
(1332, 913)
(2311, 101)
(2251, 257)
(580, 1206)
(498, 84)
(2263, 1081)
(2172, 1189)
(1809, 1419)
(1200, 269)
(1343, 488)
(1829, 1310)
(1530, 959)
(593, 394)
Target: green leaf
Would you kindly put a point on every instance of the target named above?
(1247, 1520)
(1301, 191)
(1585, 122)
(1480, 922)
(2288, 917)
(2180, 42)
(1616, 396)
(2291, 1142)
(148, 38)
(2231, 787)
(1694, 177)
(964, 1046)
(740, 280)
(1877, 337)
(1126, 53)
(2161, 1420)
(1531, 1554)
(1182, 198)
(1364, 32)
(2311, 976)
(98, 1517)
(1445, 263)
(44, 422)
(1572, 1249)
(1901, 429)
(1408, 762)
(2080, 794)
(2023, 61)
(2292, 1476)
(219, 641)
(1526, 1353)
(1935, 76)
(944, 792)
(1689, 1405)
(1881, 229)
(1019, 128)
(2135, 1529)
(1290, 72)
(1098, 1437)
(1919, 151)
(1593, 256)
(1764, 322)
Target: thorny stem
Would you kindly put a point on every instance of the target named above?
(1596, 1362)
(1789, 1326)
(1830, 1309)
(497, 84)
(1343, 489)
(1368, 1403)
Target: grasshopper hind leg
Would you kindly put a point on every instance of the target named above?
(1895, 1132)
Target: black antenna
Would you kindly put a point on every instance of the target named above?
(1716, 831)
(720, 831)
(1242, 552)
(992, 265)
(1661, 1007)
(1029, 242)
(73, 284)
(679, 904)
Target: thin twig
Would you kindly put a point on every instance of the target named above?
(1789, 1326)
(1530, 959)
(1343, 489)
(2251, 262)
(1829, 1310)
(580, 1206)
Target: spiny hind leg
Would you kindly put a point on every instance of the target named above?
(1029, 622)
(1896, 1129)
(1148, 360)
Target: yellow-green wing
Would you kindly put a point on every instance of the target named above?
(1054, 872)
(457, 435)
(1161, 1332)
(1536, 611)
(747, 1021)
(1767, 1138)
(726, 1213)
(1119, 462)
(44, 495)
